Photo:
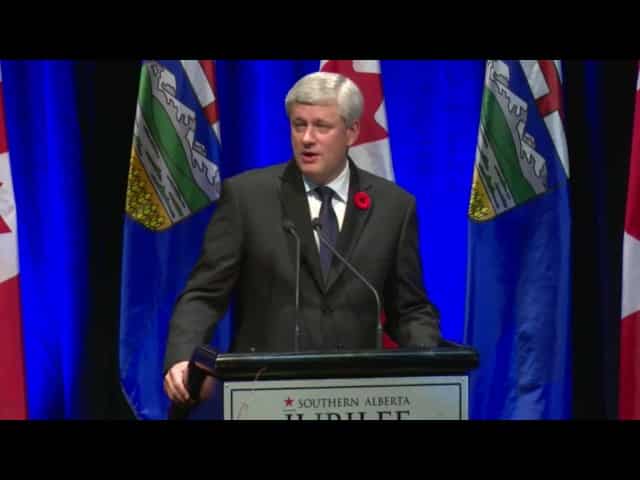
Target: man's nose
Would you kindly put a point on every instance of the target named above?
(309, 135)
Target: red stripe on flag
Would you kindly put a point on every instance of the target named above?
(3, 130)
(13, 401)
(211, 110)
(629, 392)
(632, 215)
(370, 85)
(552, 101)
(209, 69)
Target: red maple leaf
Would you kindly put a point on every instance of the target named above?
(371, 87)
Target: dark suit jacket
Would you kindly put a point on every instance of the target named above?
(247, 249)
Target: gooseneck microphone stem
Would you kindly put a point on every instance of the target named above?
(317, 226)
(291, 228)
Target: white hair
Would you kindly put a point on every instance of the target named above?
(322, 88)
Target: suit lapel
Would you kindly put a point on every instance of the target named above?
(352, 225)
(296, 208)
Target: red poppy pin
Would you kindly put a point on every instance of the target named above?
(362, 200)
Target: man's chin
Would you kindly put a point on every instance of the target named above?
(309, 170)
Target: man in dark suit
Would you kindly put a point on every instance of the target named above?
(250, 247)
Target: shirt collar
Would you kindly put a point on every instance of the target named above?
(340, 184)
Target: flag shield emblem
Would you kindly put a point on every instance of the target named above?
(511, 164)
(172, 173)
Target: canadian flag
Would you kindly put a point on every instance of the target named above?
(13, 404)
(629, 391)
(371, 150)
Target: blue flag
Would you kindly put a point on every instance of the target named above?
(173, 183)
(518, 290)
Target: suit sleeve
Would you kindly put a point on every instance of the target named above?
(412, 320)
(205, 298)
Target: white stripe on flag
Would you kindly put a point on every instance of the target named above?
(199, 82)
(558, 69)
(374, 157)
(8, 240)
(366, 66)
(536, 80)
(381, 117)
(216, 130)
(630, 275)
(556, 130)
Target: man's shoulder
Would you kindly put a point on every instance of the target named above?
(258, 175)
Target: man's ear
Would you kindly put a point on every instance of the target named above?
(353, 132)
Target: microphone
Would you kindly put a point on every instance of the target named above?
(290, 227)
(317, 226)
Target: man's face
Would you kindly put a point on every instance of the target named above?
(320, 139)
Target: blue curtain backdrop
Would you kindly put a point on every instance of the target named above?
(70, 153)
(45, 148)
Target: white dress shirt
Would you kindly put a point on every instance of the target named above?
(340, 187)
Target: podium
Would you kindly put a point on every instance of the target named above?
(399, 384)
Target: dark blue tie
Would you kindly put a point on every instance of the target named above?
(329, 224)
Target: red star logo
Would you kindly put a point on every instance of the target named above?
(4, 228)
(371, 87)
(288, 401)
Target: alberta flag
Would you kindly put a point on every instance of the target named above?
(518, 290)
(173, 181)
